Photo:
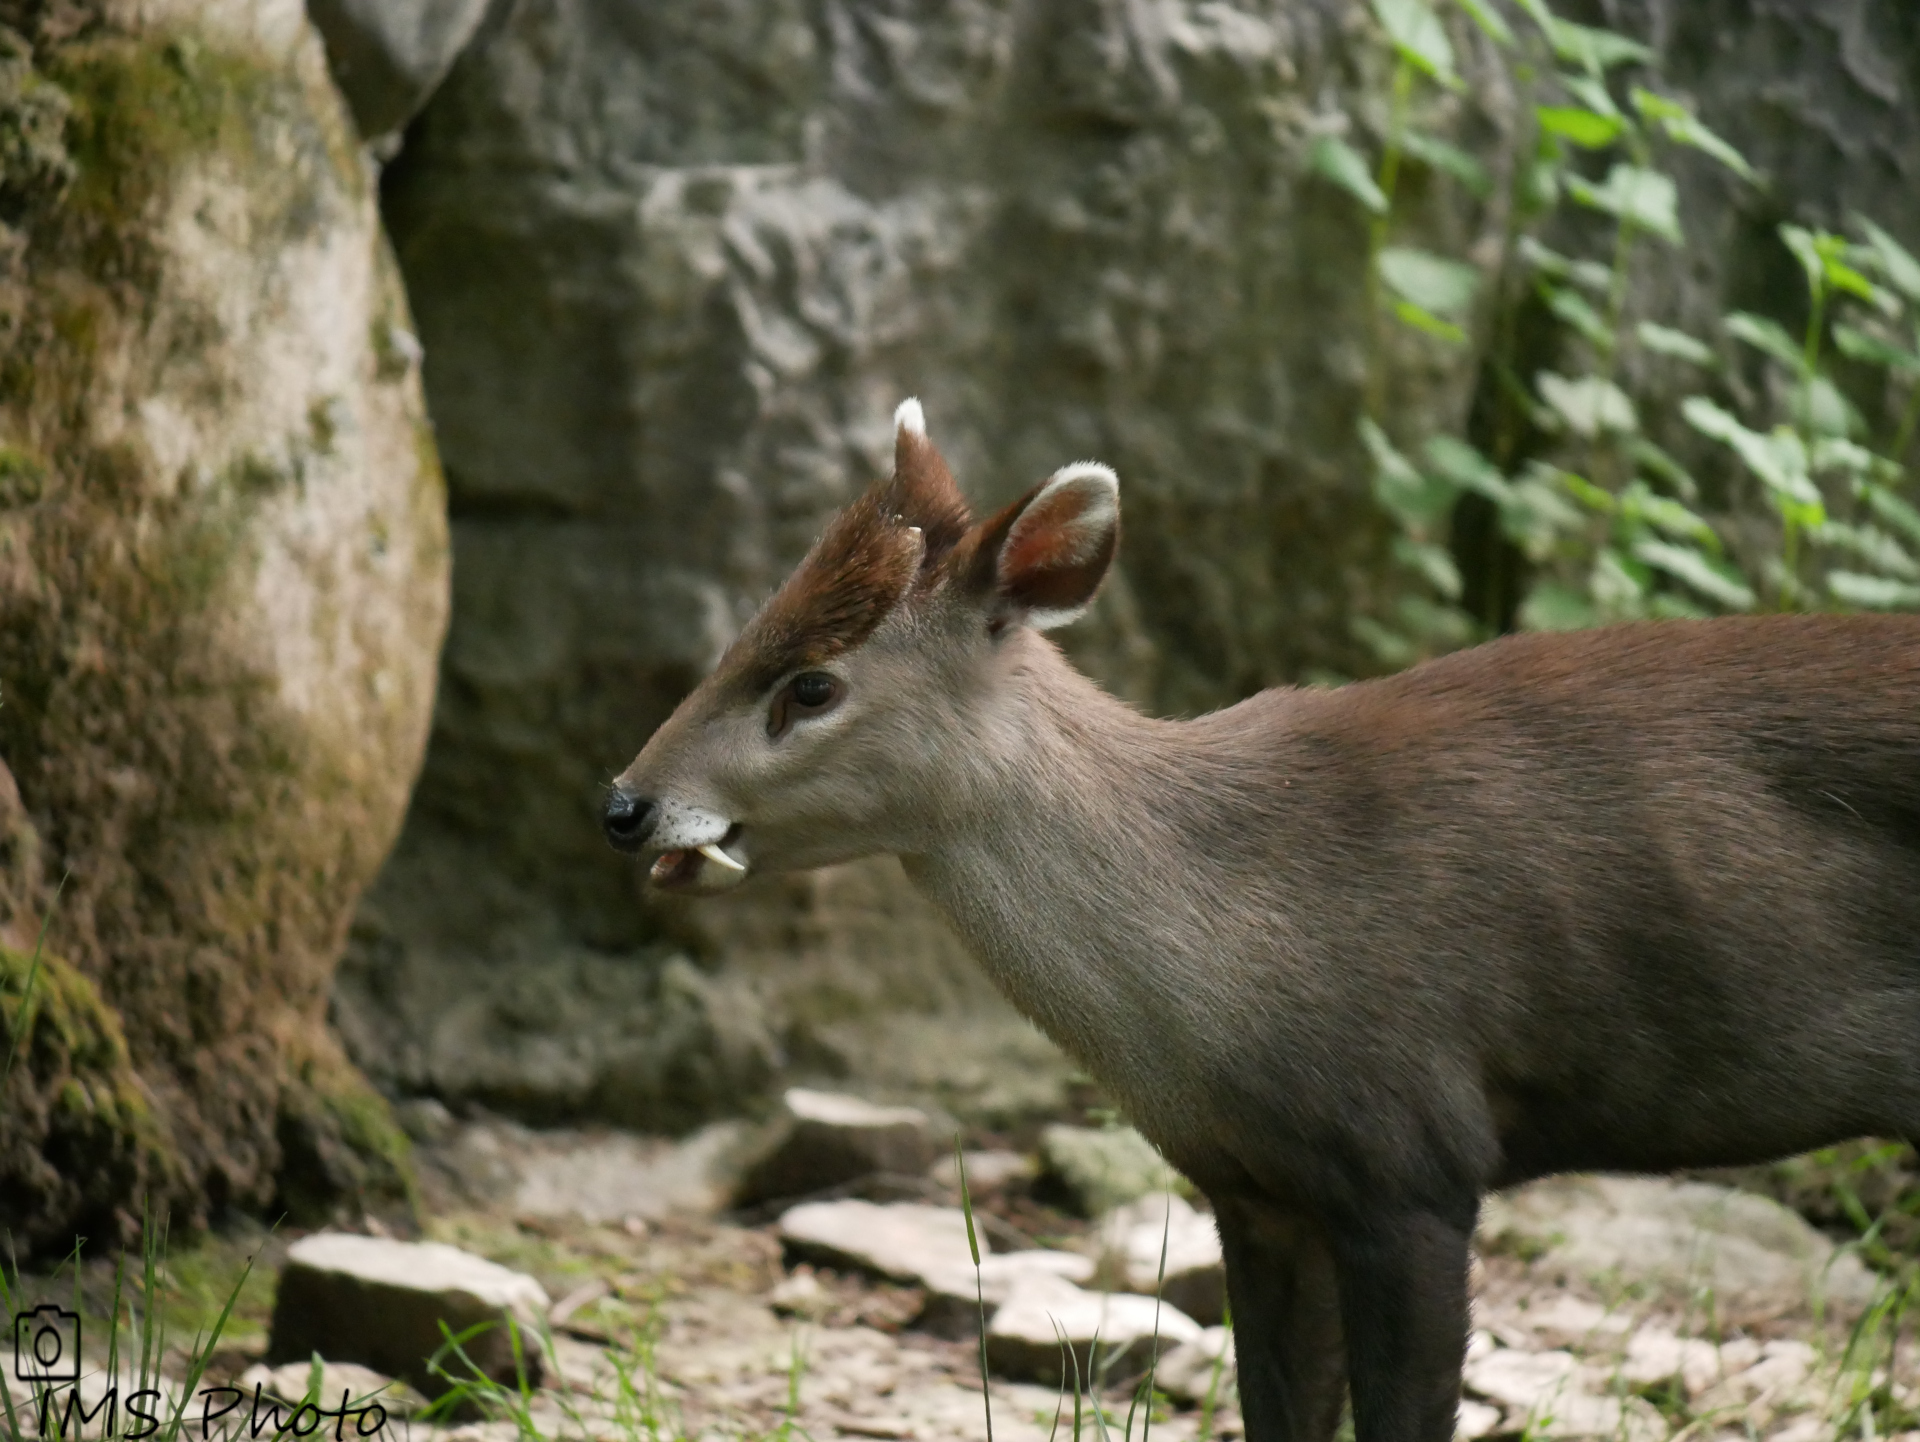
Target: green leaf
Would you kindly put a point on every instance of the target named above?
(1416, 500)
(1618, 583)
(1801, 242)
(1538, 512)
(1555, 606)
(1638, 196)
(1463, 465)
(1592, 92)
(1416, 32)
(1577, 311)
(1430, 561)
(1767, 336)
(1860, 345)
(1589, 406)
(1448, 160)
(1664, 340)
(1824, 257)
(1872, 545)
(1712, 578)
(1594, 498)
(1681, 127)
(1873, 593)
(1664, 467)
(1431, 282)
(1389, 647)
(1579, 126)
(1892, 510)
(1656, 107)
(1339, 162)
(1819, 409)
(1589, 274)
(1426, 322)
(1640, 506)
(1590, 48)
(1441, 624)
(1897, 263)
(1489, 20)
(1836, 453)
(1778, 460)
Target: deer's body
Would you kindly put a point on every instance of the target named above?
(1631, 899)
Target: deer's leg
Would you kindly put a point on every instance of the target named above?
(1403, 1292)
(1286, 1322)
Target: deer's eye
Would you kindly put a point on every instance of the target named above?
(813, 690)
(811, 693)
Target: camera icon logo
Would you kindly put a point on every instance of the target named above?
(46, 1345)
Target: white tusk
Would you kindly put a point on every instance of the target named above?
(714, 854)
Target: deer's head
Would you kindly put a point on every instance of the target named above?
(853, 701)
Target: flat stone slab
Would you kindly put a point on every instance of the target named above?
(901, 1241)
(1205, 1365)
(380, 1303)
(1758, 1259)
(1195, 1278)
(955, 1297)
(824, 1139)
(1110, 1335)
(339, 1383)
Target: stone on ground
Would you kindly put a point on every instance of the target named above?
(1758, 1260)
(1194, 1278)
(956, 1294)
(1111, 1335)
(606, 1176)
(988, 1173)
(1194, 1369)
(824, 1139)
(381, 1303)
(294, 1382)
(901, 1241)
(1095, 1170)
(1555, 1395)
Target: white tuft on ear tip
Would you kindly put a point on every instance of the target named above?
(908, 416)
(1086, 471)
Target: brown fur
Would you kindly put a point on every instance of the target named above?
(1631, 899)
(864, 565)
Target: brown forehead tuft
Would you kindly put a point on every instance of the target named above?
(864, 565)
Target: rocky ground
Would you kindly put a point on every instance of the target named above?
(815, 1279)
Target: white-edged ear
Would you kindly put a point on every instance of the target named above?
(907, 416)
(1058, 547)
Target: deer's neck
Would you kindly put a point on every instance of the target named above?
(1104, 868)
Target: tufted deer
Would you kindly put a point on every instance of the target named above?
(1633, 899)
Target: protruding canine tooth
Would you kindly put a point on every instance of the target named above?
(714, 854)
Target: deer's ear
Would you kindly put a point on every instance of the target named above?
(1054, 546)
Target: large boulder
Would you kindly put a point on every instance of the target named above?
(674, 265)
(223, 585)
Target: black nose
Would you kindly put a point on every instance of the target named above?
(629, 820)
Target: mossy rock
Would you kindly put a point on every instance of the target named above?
(223, 578)
(80, 1141)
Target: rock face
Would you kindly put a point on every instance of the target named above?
(382, 1304)
(223, 584)
(674, 265)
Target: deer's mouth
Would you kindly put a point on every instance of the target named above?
(700, 870)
